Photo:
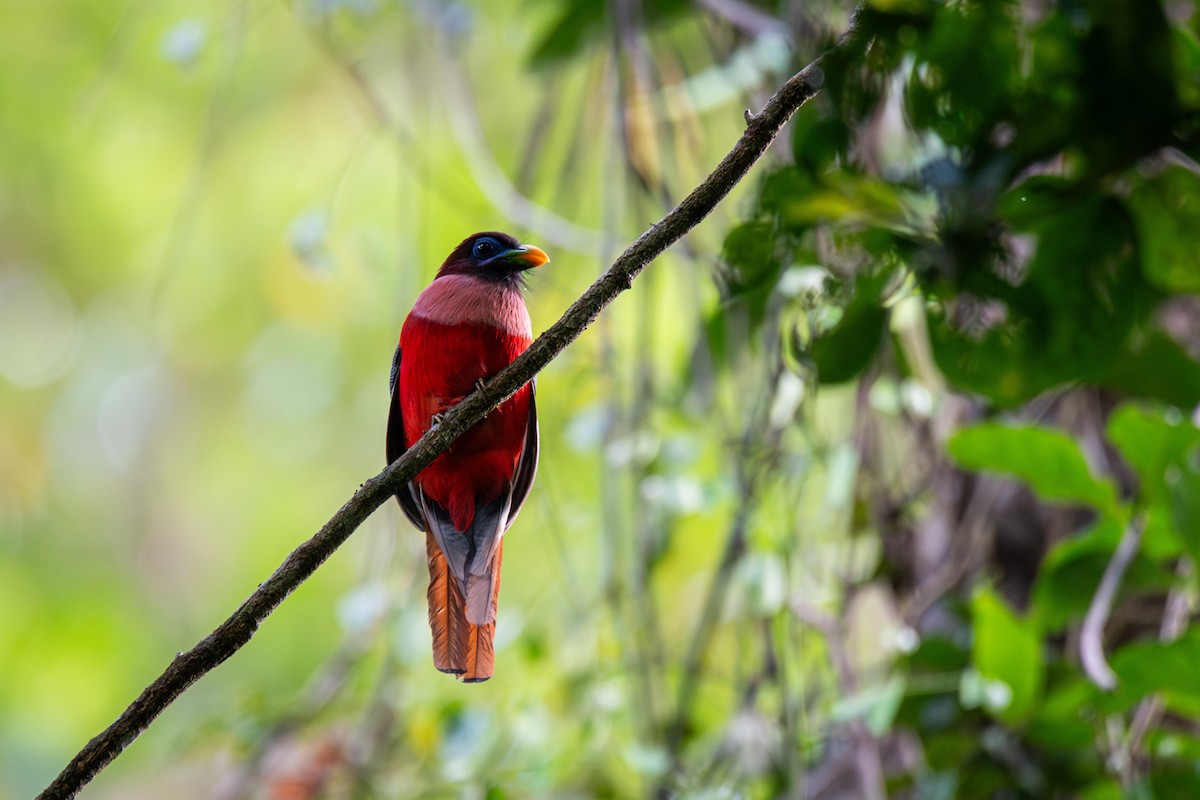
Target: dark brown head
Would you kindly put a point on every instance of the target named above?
(494, 256)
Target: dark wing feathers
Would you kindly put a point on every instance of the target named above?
(395, 446)
(395, 376)
(527, 465)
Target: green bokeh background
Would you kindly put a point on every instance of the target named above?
(209, 238)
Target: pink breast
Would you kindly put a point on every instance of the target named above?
(453, 299)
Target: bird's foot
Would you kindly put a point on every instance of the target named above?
(436, 420)
(479, 384)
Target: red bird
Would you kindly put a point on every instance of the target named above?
(470, 323)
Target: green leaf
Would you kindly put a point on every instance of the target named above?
(1173, 778)
(750, 248)
(949, 750)
(842, 353)
(1034, 200)
(1072, 570)
(1152, 441)
(817, 138)
(1161, 446)
(752, 267)
(1170, 668)
(1185, 510)
(1084, 291)
(938, 655)
(1104, 789)
(800, 200)
(875, 705)
(990, 365)
(963, 71)
(1054, 72)
(579, 22)
(1156, 368)
(1167, 210)
(1187, 65)
(1008, 649)
(1129, 98)
(1160, 540)
(782, 187)
(1049, 461)
(1058, 724)
(901, 6)
(576, 23)
(1068, 320)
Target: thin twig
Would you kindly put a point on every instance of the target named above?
(1091, 635)
(231, 635)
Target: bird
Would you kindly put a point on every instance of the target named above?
(466, 326)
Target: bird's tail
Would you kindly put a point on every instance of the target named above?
(459, 647)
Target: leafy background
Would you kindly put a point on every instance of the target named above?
(824, 501)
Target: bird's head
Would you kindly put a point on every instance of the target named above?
(493, 256)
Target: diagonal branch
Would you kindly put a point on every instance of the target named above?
(237, 630)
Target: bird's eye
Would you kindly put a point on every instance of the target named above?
(485, 248)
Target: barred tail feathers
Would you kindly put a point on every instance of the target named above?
(459, 647)
(446, 620)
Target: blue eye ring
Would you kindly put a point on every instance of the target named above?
(485, 247)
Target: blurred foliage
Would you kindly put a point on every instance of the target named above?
(823, 502)
(1001, 197)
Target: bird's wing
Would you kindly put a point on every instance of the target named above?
(395, 446)
(394, 377)
(527, 465)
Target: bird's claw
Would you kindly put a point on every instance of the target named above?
(479, 384)
(437, 419)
